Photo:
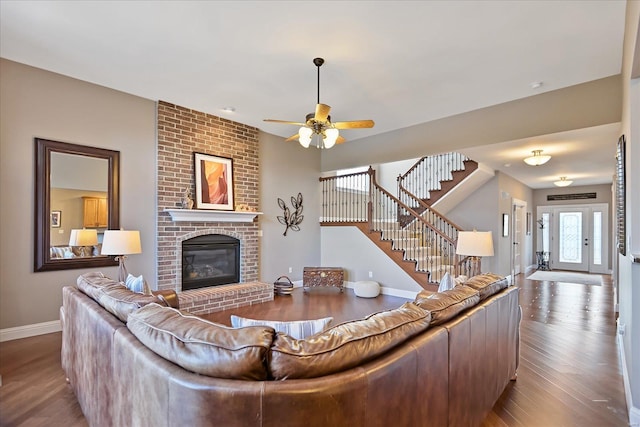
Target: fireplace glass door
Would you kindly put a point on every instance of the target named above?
(210, 260)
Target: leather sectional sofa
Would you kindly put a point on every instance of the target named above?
(442, 360)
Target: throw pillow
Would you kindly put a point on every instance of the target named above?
(446, 283)
(298, 329)
(200, 346)
(137, 284)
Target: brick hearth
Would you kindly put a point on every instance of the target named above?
(218, 298)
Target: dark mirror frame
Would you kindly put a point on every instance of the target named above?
(44, 148)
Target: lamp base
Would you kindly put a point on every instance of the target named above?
(122, 270)
(472, 266)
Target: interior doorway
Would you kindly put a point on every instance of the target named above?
(575, 237)
(518, 224)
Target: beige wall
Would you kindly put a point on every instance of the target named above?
(483, 211)
(36, 103)
(628, 272)
(287, 169)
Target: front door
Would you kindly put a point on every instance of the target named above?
(576, 237)
(571, 232)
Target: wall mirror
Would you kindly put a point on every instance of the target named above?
(77, 199)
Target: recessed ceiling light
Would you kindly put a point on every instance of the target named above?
(536, 85)
(229, 109)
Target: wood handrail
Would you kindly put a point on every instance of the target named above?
(411, 211)
(429, 208)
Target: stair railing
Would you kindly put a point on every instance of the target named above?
(357, 198)
(427, 173)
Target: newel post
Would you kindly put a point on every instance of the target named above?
(372, 174)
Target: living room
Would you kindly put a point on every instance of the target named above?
(39, 103)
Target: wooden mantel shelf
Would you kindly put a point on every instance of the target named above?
(196, 215)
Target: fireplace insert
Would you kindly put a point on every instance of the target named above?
(210, 260)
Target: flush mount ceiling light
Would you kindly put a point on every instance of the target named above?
(563, 182)
(319, 123)
(537, 159)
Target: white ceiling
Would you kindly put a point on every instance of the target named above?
(399, 63)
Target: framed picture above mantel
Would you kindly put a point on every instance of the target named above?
(214, 182)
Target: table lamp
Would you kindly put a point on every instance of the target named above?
(121, 243)
(83, 238)
(474, 244)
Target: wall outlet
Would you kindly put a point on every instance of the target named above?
(290, 269)
(370, 274)
(259, 233)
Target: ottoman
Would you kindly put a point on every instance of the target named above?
(366, 289)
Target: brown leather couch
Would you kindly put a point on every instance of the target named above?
(448, 374)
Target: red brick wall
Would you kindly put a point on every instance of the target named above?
(181, 132)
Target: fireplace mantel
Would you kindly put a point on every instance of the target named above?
(196, 215)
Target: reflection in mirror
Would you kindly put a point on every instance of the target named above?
(79, 191)
(76, 201)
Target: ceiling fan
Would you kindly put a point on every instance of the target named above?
(319, 123)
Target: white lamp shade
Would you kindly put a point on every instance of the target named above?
(475, 243)
(121, 242)
(83, 237)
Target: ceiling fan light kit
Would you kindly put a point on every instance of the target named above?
(537, 159)
(319, 123)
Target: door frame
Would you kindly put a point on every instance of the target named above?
(552, 210)
(518, 237)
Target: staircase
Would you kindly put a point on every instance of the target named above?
(432, 177)
(414, 235)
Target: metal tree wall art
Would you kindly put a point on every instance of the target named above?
(291, 220)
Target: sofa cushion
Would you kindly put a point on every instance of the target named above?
(487, 284)
(92, 283)
(298, 329)
(112, 295)
(447, 304)
(345, 345)
(121, 302)
(201, 346)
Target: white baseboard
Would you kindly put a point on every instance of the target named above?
(27, 331)
(634, 413)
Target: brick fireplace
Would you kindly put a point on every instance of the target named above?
(181, 132)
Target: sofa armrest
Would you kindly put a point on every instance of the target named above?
(168, 297)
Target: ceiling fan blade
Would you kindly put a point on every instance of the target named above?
(340, 139)
(285, 122)
(292, 137)
(322, 112)
(356, 124)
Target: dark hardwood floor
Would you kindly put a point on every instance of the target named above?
(569, 372)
